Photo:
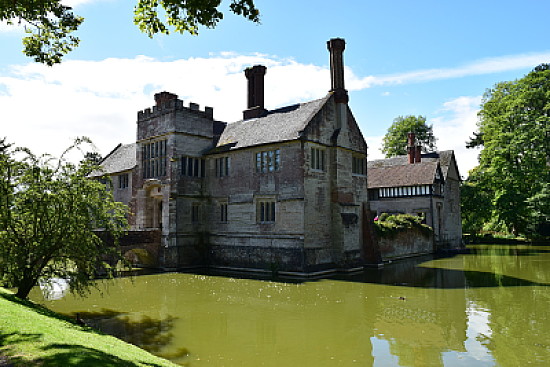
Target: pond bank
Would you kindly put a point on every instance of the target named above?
(33, 335)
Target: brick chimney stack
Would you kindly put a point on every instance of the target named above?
(414, 151)
(336, 47)
(255, 102)
(411, 148)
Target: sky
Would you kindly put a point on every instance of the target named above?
(402, 57)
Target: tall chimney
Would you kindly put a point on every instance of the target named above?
(411, 149)
(255, 101)
(336, 47)
(418, 154)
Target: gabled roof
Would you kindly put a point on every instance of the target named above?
(122, 158)
(397, 175)
(279, 125)
(443, 157)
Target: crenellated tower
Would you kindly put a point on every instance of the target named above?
(170, 145)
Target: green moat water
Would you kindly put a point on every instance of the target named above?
(487, 308)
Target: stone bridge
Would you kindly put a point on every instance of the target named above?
(139, 247)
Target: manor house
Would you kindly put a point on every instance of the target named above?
(282, 189)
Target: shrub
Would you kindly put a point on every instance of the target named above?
(389, 225)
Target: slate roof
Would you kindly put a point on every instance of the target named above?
(279, 125)
(443, 157)
(122, 158)
(396, 175)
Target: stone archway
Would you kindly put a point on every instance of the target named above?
(153, 206)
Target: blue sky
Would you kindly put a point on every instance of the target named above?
(431, 58)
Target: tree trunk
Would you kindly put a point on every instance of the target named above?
(25, 287)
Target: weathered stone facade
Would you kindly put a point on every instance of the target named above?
(282, 190)
(275, 191)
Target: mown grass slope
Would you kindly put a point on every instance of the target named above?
(31, 335)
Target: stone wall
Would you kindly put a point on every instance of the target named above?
(241, 241)
(405, 244)
(451, 234)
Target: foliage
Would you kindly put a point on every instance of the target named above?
(475, 203)
(48, 211)
(95, 157)
(389, 225)
(187, 15)
(50, 24)
(514, 168)
(395, 141)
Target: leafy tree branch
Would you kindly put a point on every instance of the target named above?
(50, 25)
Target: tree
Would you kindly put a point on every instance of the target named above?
(514, 131)
(48, 212)
(475, 203)
(50, 25)
(94, 157)
(395, 141)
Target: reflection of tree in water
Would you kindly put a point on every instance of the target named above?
(148, 333)
(525, 262)
(517, 305)
(519, 323)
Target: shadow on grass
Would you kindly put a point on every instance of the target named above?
(147, 333)
(7, 340)
(68, 355)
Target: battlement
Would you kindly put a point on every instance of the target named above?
(168, 102)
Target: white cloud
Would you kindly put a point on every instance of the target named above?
(44, 108)
(374, 144)
(479, 67)
(453, 126)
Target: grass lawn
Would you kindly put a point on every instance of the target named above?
(31, 335)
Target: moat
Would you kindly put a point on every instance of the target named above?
(486, 308)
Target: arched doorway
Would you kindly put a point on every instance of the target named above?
(154, 207)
